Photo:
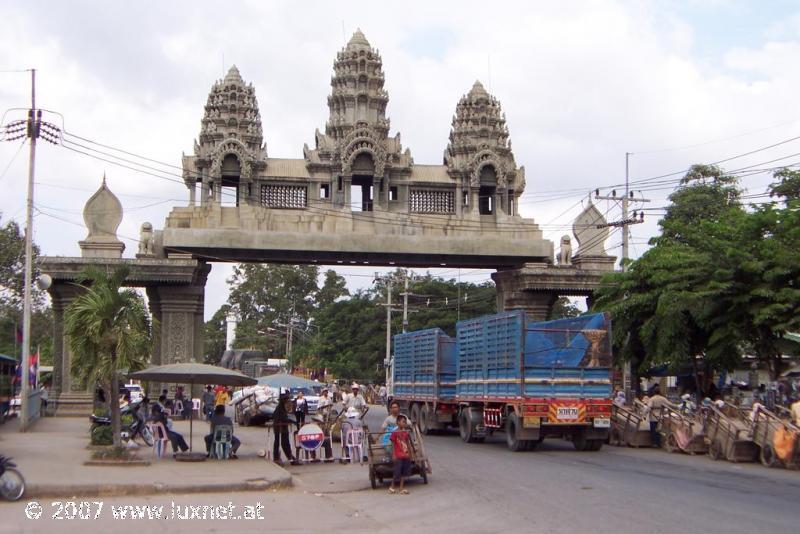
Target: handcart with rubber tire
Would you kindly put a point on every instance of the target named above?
(381, 463)
(728, 434)
(778, 439)
(682, 431)
(630, 426)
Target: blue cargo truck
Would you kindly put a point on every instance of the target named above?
(506, 373)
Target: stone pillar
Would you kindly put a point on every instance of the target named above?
(179, 307)
(346, 182)
(537, 304)
(192, 194)
(62, 295)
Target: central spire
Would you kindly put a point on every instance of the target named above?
(357, 96)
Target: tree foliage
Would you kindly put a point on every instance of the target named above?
(335, 330)
(108, 330)
(12, 264)
(719, 280)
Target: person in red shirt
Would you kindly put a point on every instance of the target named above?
(401, 451)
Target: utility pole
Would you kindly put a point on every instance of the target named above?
(34, 119)
(624, 223)
(387, 362)
(405, 304)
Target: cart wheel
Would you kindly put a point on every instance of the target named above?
(671, 443)
(246, 419)
(768, 457)
(372, 481)
(424, 475)
(714, 450)
(424, 420)
(614, 438)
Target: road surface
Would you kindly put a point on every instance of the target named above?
(484, 488)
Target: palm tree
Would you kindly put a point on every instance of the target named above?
(108, 329)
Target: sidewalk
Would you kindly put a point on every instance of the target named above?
(51, 458)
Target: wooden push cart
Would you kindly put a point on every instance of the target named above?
(778, 439)
(728, 434)
(381, 465)
(630, 426)
(682, 432)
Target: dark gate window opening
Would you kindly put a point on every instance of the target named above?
(393, 193)
(325, 191)
(361, 188)
(231, 172)
(486, 200)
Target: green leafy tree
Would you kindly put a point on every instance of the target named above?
(108, 330)
(562, 309)
(671, 306)
(268, 298)
(12, 264)
(333, 288)
(215, 330)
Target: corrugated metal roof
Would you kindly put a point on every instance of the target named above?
(431, 174)
(286, 168)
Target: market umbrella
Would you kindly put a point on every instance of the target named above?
(193, 373)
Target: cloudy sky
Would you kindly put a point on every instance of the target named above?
(581, 83)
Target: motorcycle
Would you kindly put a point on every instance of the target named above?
(12, 483)
(137, 427)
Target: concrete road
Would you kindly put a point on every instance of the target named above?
(486, 488)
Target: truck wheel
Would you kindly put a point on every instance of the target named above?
(595, 445)
(424, 419)
(465, 428)
(580, 442)
(512, 428)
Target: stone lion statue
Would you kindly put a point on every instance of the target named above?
(565, 253)
(146, 240)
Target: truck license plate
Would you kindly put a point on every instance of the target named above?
(602, 422)
(567, 413)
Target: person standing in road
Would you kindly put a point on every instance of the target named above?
(355, 400)
(280, 429)
(401, 452)
(300, 410)
(382, 394)
(657, 400)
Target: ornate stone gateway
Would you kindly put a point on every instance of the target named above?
(356, 197)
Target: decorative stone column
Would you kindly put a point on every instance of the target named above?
(62, 295)
(179, 307)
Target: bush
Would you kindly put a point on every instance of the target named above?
(102, 435)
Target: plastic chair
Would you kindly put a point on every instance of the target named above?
(160, 438)
(177, 408)
(196, 408)
(352, 443)
(299, 452)
(222, 442)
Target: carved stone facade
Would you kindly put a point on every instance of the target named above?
(357, 191)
